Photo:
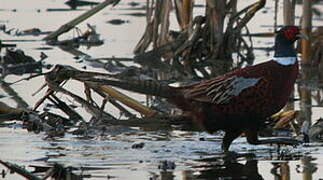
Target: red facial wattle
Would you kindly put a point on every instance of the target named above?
(291, 33)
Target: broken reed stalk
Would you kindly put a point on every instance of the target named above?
(305, 93)
(275, 15)
(306, 29)
(184, 12)
(114, 103)
(305, 98)
(71, 24)
(4, 109)
(157, 29)
(128, 101)
(90, 108)
(73, 115)
(60, 74)
(284, 118)
(9, 113)
(250, 13)
(289, 12)
(20, 170)
(13, 94)
(39, 102)
(205, 54)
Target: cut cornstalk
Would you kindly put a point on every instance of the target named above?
(20, 170)
(307, 29)
(5, 109)
(284, 118)
(128, 101)
(68, 26)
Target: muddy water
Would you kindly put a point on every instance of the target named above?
(188, 155)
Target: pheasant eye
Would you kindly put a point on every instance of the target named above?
(290, 33)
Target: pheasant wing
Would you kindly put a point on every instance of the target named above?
(221, 89)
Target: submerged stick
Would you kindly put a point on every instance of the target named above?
(7, 109)
(13, 94)
(20, 170)
(9, 113)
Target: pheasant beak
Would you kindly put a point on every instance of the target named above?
(302, 35)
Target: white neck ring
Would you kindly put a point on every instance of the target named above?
(285, 60)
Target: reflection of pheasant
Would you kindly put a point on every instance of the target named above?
(239, 101)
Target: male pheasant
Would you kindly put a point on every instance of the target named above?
(236, 102)
(240, 101)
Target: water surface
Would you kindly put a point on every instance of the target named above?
(112, 155)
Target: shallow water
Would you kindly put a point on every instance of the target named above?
(113, 156)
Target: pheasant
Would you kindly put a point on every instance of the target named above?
(242, 100)
(236, 102)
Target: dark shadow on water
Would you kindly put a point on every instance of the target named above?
(234, 168)
(73, 4)
(231, 170)
(228, 167)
